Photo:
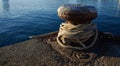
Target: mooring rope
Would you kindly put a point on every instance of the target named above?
(77, 34)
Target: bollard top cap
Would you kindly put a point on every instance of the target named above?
(77, 11)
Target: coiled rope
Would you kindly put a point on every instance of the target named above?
(76, 33)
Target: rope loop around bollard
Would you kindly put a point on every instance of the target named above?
(78, 48)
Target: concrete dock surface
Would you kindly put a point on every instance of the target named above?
(36, 52)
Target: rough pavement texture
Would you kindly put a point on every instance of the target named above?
(36, 52)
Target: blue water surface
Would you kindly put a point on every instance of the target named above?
(20, 19)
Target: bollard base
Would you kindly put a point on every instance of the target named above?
(72, 54)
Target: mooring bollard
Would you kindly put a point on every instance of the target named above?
(78, 31)
(76, 35)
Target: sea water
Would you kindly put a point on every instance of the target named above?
(20, 19)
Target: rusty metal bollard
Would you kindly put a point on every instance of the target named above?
(77, 32)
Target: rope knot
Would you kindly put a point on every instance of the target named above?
(77, 34)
